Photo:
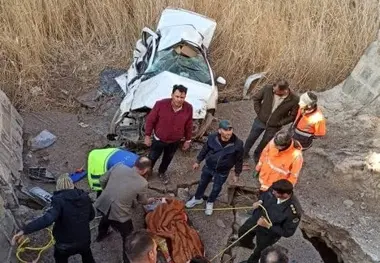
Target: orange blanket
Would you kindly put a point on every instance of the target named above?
(170, 221)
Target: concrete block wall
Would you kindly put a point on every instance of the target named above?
(11, 164)
(11, 141)
(363, 84)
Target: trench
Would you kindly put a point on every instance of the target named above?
(328, 255)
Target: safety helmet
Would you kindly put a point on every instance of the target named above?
(308, 100)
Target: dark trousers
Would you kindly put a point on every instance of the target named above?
(206, 177)
(124, 229)
(258, 127)
(62, 256)
(263, 240)
(159, 147)
(306, 142)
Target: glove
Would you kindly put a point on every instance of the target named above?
(255, 174)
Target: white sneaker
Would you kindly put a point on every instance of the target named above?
(209, 208)
(193, 202)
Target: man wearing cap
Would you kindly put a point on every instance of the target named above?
(284, 213)
(280, 159)
(309, 123)
(71, 212)
(222, 151)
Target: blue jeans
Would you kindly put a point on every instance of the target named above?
(206, 177)
(258, 127)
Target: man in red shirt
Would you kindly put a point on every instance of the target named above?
(170, 121)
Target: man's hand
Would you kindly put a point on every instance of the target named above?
(257, 204)
(18, 238)
(263, 222)
(186, 145)
(235, 179)
(148, 141)
(195, 166)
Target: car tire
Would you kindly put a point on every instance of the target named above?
(206, 123)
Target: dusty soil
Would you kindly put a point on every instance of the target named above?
(75, 140)
(337, 191)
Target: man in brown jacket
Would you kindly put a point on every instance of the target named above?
(121, 186)
(275, 105)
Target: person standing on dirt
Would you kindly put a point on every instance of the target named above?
(284, 213)
(309, 123)
(275, 105)
(222, 151)
(71, 212)
(280, 159)
(102, 160)
(122, 185)
(170, 121)
(140, 247)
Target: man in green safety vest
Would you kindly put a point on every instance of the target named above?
(101, 160)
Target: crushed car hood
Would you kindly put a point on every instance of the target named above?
(160, 86)
(177, 16)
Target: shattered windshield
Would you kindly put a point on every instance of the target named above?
(194, 68)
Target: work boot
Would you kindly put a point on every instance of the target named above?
(249, 246)
(102, 236)
(209, 208)
(164, 178)
(193, 202)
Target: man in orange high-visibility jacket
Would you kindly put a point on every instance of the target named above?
(310, 122)
(280, 159)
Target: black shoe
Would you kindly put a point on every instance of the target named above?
(164, 178)
(101, 237)
(249, 246)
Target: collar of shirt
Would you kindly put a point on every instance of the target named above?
(280, 201)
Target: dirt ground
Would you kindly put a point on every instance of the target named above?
(74, 142)
(338, 194)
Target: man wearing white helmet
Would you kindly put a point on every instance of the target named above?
(310, 122)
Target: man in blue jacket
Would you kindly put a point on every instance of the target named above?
(222, 151)
(71, 212)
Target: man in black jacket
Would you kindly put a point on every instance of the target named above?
(222, 151)
(284, 212)
(275, 105)
(71, 211)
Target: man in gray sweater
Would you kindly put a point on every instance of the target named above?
(121, 186)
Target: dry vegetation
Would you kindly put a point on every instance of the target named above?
(64, 44)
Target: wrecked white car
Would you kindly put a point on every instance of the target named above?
(176, 53)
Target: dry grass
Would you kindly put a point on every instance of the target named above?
(64, 44)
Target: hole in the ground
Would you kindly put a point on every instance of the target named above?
(327, 254)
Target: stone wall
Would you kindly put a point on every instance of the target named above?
(11, 164)
(363, 83)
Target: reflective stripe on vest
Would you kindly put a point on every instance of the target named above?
(302, 133)
(97, 166)
(280, 170)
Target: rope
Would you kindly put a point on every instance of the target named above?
(252, 228)
(21, 249)
(221, 209)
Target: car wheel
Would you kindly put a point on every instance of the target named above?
(205, 124)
